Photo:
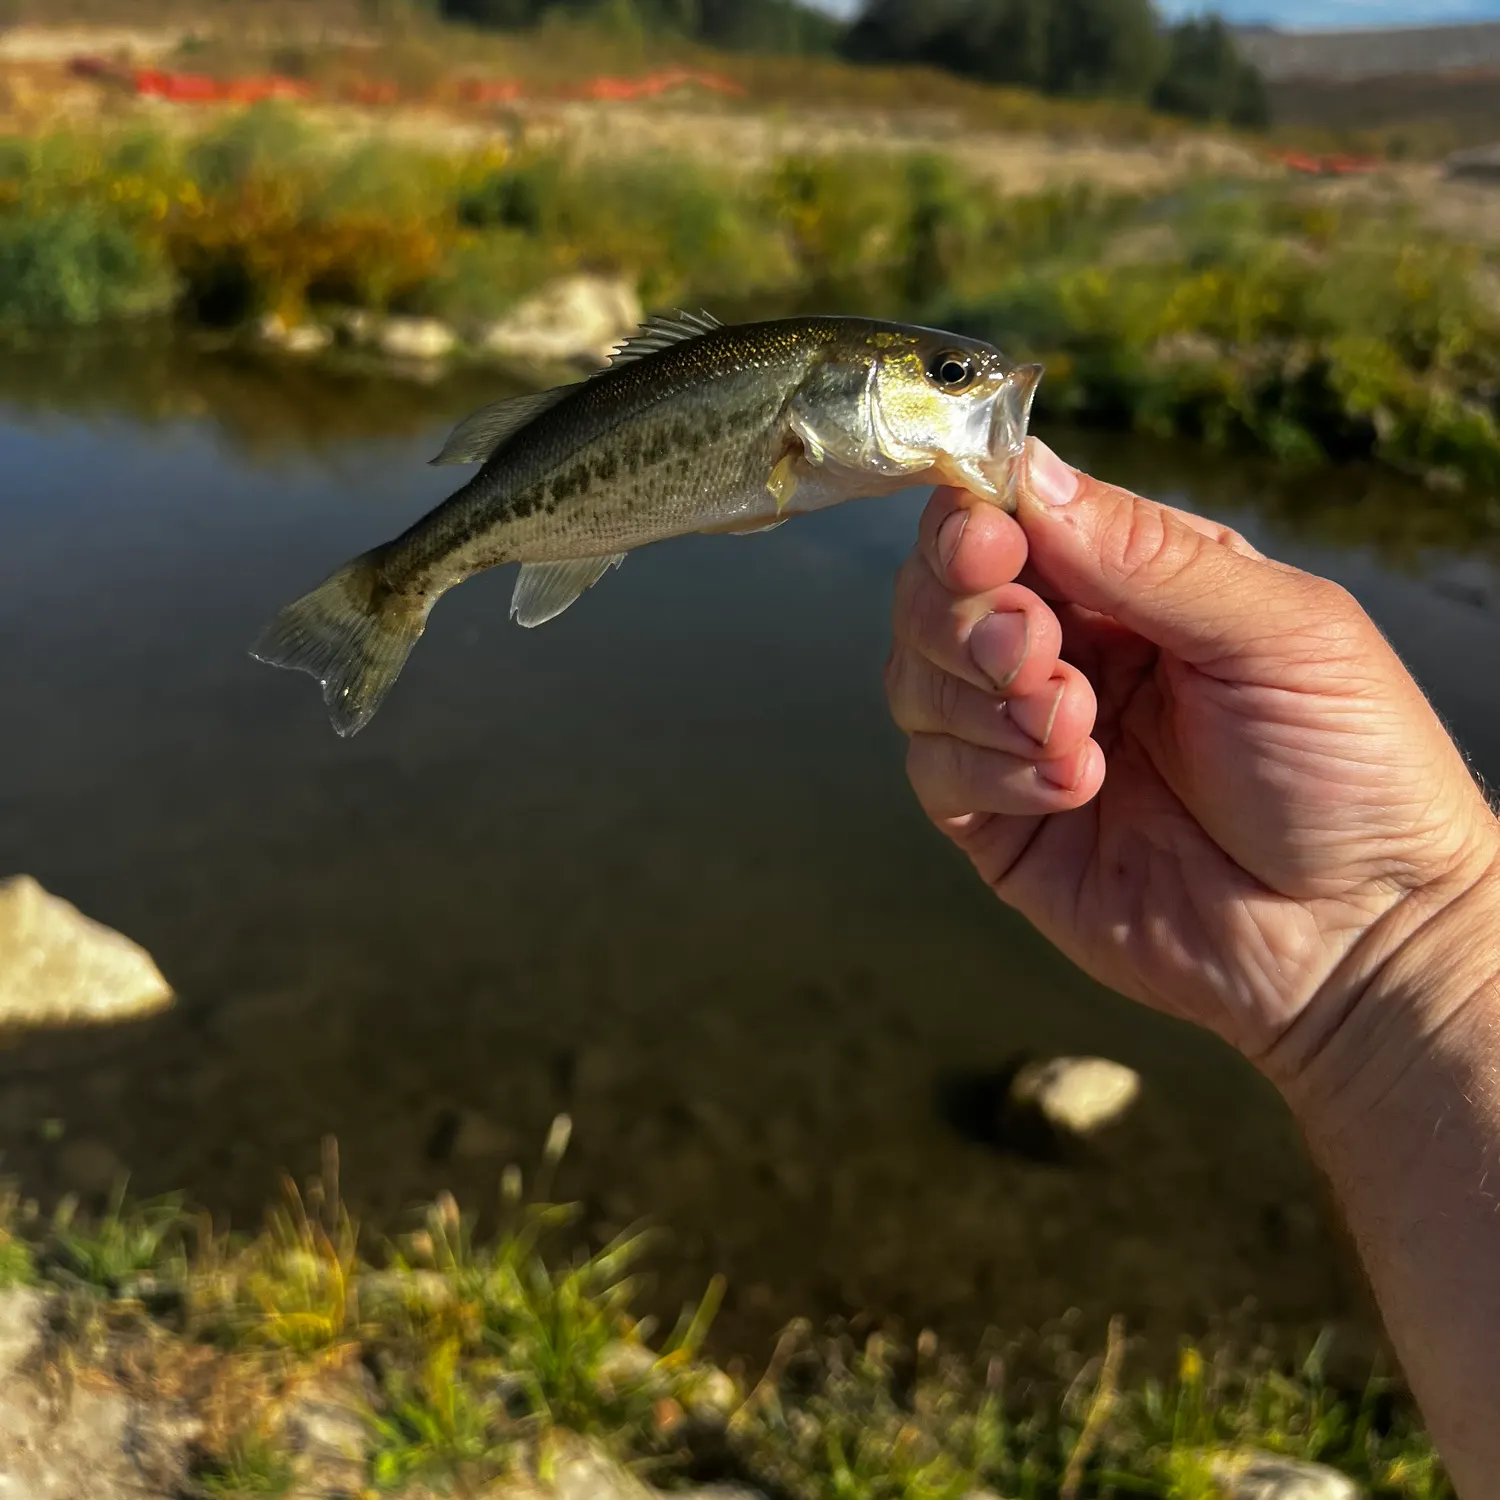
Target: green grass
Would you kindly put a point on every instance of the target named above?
(118, 1255)
(252, 1467)
(494, 1352)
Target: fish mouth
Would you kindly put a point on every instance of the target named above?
(1010, 416)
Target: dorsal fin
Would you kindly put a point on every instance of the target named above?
(661, 332)
(483, 431)
(480, 433)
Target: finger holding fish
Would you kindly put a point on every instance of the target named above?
(1005, 640)
(970, 544)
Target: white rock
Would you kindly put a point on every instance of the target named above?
(1268, 1476)
(580, 1471)
(576, 319)
(415, 338)
(293, 338)
(89, 1442)
(58, 967)
(22, 1309)
(1077, 1095)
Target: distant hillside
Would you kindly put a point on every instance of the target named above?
(1348, 56)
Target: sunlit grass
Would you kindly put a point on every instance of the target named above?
(489, 1353)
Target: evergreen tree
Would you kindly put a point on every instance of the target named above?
(1102, 47)
(1207, 78)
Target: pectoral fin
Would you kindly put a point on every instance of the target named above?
(544, 590)
(783, 481)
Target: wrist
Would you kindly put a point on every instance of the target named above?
(1413, 1007)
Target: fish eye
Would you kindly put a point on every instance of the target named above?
(952, 371)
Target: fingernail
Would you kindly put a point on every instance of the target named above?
(1048, 477)
(1037, 715)
(950, 534)
(1064, 774)
(998, 645)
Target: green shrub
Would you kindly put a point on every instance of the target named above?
(74, 263)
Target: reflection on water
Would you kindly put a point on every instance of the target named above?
(655, 864)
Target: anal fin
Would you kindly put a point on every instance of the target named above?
(545, 589)
(757, 529)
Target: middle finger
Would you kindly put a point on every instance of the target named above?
(1005, 641)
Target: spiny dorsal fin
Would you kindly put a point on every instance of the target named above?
(661, 332)
(480, 433)
(545, 589)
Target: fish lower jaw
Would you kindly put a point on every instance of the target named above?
(992, 479)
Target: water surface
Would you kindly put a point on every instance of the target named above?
(655, 864)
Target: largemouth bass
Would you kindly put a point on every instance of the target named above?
(695, 426)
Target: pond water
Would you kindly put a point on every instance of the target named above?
(655, 864)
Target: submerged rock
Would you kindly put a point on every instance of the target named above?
(1078, 1096)
(1269, 1476)
(60, 968)
(578, 320)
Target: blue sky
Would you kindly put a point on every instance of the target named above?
(1312, 14)
(1306, 14)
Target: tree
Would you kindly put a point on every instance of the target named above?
(762, 25)
(766, 26)
(1207, 78)
(1102, 47)
(1062, 46)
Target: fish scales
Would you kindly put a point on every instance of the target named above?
(629, 460)
(696, 427)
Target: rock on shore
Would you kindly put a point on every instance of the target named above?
(61, 968)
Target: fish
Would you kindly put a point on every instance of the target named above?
(694, 426)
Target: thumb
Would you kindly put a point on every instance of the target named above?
(1193, 588)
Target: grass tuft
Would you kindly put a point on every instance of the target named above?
(466, 1357)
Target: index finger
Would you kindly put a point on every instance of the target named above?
(970, 544)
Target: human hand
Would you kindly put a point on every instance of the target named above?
(1202, 774)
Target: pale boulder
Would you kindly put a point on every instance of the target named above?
(577, 320)
(1076, 1096)
(1270, 1476)
(423, 339)
(61, 968)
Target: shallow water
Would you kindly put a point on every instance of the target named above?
(655, 864)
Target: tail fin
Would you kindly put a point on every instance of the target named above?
(353, 633)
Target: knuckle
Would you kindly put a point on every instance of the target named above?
(908, 609)
(1140, 541)
(946, 696)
